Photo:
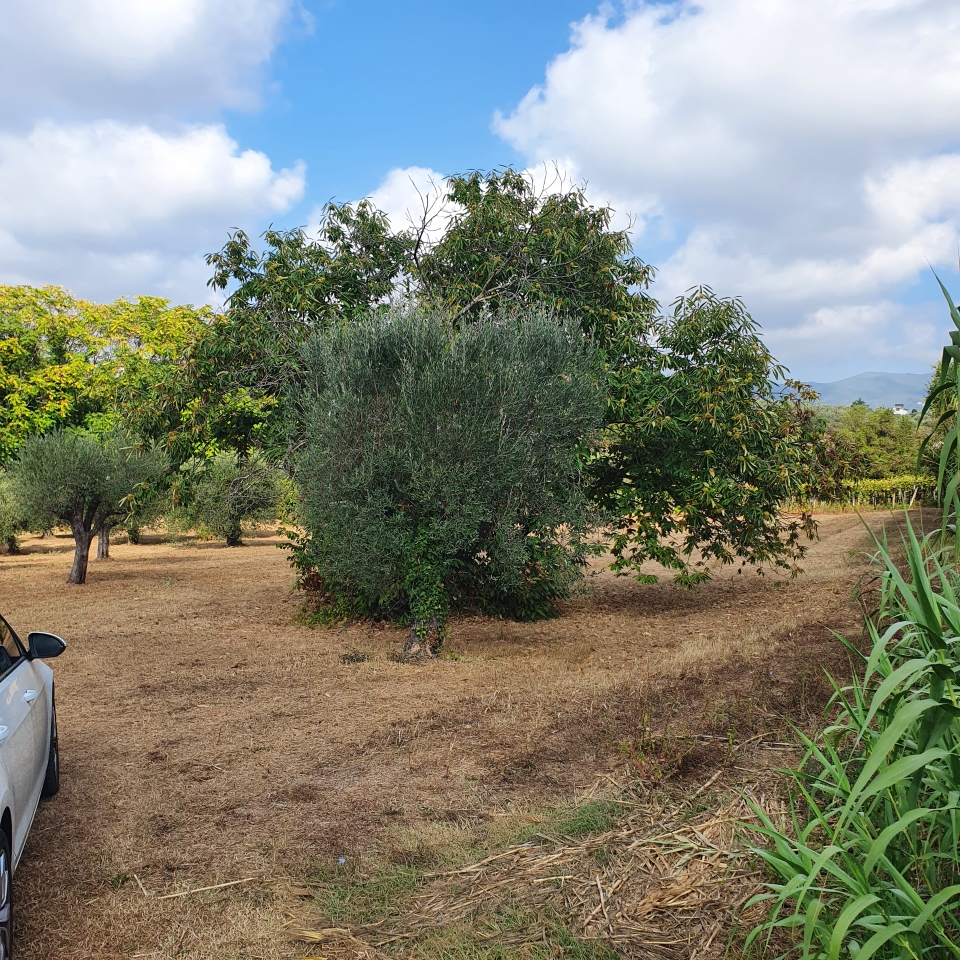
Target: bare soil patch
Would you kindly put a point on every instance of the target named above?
(207, 737)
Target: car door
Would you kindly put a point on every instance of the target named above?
(38, 695)
(17, 736)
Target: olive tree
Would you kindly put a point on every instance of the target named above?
(12, 522)
(78, 479)
(441, 465)
(224, 492)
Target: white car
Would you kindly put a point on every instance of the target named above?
(29, 752)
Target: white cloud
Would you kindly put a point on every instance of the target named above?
(804, 151)
(103, 188)
(872, 334)
(724, 258)
(134, 57)
(908, 196)
(109, 181)
(107, 205)
(403, 192)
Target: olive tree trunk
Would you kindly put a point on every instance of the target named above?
(83, 538)
(103, 543)
(424, 640)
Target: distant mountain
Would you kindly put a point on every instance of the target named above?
(877, 389)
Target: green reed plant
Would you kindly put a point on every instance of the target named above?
(871, 867)
(943, 400)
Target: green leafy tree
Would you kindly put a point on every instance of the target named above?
(703, 447)
(224, 492)
(66, 362)
(78, 479)
(443, 466)
(512, 243)
(45, 350)
(241, 370)
(886, 444)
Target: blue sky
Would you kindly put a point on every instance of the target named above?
(803, 156)
(375, 86)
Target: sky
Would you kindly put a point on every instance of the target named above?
(803, 156)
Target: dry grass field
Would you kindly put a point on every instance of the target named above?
(207, 737)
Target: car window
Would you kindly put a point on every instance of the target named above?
(10, 650)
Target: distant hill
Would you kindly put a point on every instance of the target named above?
(877, 389)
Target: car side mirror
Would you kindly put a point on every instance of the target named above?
(45, 645)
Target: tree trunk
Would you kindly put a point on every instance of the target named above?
(425, 640)
(83, 539)
(233, 537)
(103, 544)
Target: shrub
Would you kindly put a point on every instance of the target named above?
(222, 493)
(441, 466)
(11, 521)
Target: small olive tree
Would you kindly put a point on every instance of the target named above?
(440, 465)
(12, 522)
(223, 493)
(77, 479)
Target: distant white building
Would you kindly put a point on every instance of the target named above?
(900, 410)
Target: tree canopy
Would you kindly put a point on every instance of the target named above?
(703, 447)
(78, 479)
(885, 444)
(512, 243)
(66, 362)
(444, 465)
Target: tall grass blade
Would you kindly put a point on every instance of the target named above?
(871, 868)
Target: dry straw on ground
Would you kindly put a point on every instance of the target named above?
(668, 881)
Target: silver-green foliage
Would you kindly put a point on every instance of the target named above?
(12, 523)
(441, 464)
(223, 493)
(84, 481)
(872, 868)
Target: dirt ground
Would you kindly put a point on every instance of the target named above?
(206, 737)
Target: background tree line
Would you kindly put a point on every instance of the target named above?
(451, 413)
